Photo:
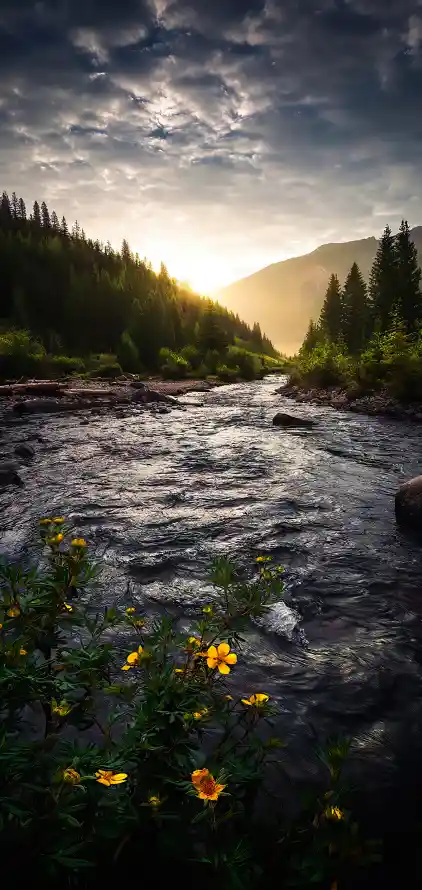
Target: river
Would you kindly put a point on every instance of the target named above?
(159, 496)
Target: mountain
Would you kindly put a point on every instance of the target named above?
(284, 297)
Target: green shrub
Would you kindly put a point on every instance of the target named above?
(128, 354)
(20, 355)
(228, 374)
(61, 365)
(177, 759)
(192, 355)
(325, 366)
(249, 364)
(172, 365)
(108, 370)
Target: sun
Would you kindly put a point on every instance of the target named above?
(190, 262)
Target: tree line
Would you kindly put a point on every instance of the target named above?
(353, 315)
(79, 296)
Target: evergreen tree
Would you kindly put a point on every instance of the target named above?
(14, 205)
(408, 294)
(5, 211)
(312, 338)
(22, 209)
(331, 318)
(355, 311)
(383, 282)
(76, 230)
(36, 215)
(64, 227)
(125, 252)
(55, 225)
(45, 216)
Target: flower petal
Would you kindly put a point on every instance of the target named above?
(223, 650)
(198, 775)
(133, 658)
(245, 701)
(204, 796)
(212, 663)
(212, 652)
(231, 658)
(118, 778)
(223, 668)
(126, 667)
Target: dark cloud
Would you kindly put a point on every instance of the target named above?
(250, 127)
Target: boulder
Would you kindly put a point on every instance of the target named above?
(408, 503)
(24, 450)
(289, 421)
(9, 473)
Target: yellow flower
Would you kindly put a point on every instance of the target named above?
(23, 652)
(14, 611)
(72, 776)
(154, 801)
(198, 715)
(228, 697)
(179, 670)
(263, 559)
(67, 607)
(133, 660)
(334, 813)
(221, 658)
(256, 701)
(79, 543)
(57, 539)
(138, 622)
(45, 521)
(205, 785)
(109, 777)
(58, 520)
(208, 610)
(130, 611)
(62, 708)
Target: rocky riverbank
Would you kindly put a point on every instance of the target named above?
(377, 403)
(47, 397)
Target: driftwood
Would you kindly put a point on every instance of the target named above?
(45, 387)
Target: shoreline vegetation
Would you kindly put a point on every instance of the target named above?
(72, 305)
(135, 738)
(364, 353)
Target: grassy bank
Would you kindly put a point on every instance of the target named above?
(21, 355)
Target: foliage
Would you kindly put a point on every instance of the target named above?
(148, 749)
(250, 364)
(172, 365)
(108, 369)
(369, 340)
(52, 279)
(228, 374)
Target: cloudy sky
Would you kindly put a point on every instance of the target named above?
(217, 135)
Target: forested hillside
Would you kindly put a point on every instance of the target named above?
(79, 297)
(370, 336)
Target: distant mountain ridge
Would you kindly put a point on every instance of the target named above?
(284, 297)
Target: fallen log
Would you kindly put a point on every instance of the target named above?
(45, 387)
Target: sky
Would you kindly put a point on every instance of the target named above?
(216, 135)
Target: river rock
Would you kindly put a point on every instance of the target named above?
(408, 503)
(9, 473)
(289, 421)
(24, 450)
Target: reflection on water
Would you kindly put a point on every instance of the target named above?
(158, 496)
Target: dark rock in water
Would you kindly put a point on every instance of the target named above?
(290, 421)
(408, 503)
(9, 473)
(24, 450)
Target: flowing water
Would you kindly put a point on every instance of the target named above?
(159, 496)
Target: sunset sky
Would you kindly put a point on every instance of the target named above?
(216, 135)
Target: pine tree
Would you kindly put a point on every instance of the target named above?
(76, 230)
(331, 318)
(36, 215)
(55, 225)
(409, 298)
(45, 216)
(125, 251)
(312, 338)
(355, 311)
(22, 209)
(383, 282)
(64, 227)
(14, 205)
(5, 211)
